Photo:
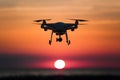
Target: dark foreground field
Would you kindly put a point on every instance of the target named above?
(62, 77)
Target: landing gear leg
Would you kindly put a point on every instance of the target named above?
(50, 41)
(68, 41)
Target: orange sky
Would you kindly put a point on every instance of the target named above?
(18, 34)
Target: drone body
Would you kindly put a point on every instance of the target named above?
(59, 28)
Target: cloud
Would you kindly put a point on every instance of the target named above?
(19, 60)
(33, 3)
(8, 3)
(96, 9)
(106, 12)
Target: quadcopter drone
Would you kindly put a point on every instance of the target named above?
(59, 28)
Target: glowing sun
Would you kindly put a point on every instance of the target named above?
(59, 64)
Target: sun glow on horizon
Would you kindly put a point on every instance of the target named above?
(59, 64)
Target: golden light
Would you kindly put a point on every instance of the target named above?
(59, 64)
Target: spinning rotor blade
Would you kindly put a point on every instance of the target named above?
(41, 20)
(37, 20)
(82, 20)
(47, 19)
(37, 23)
(82, 24)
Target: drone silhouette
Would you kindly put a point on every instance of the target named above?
(59, 28)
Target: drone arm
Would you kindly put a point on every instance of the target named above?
(47, 26)
(71, 26)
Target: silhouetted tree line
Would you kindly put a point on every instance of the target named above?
(61, 77)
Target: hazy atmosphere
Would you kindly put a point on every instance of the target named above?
(24, 44)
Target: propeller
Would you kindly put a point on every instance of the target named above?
(82, 24)
(82, 20)
(37, 23)
(41, 20)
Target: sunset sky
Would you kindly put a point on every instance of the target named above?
(25, 44)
